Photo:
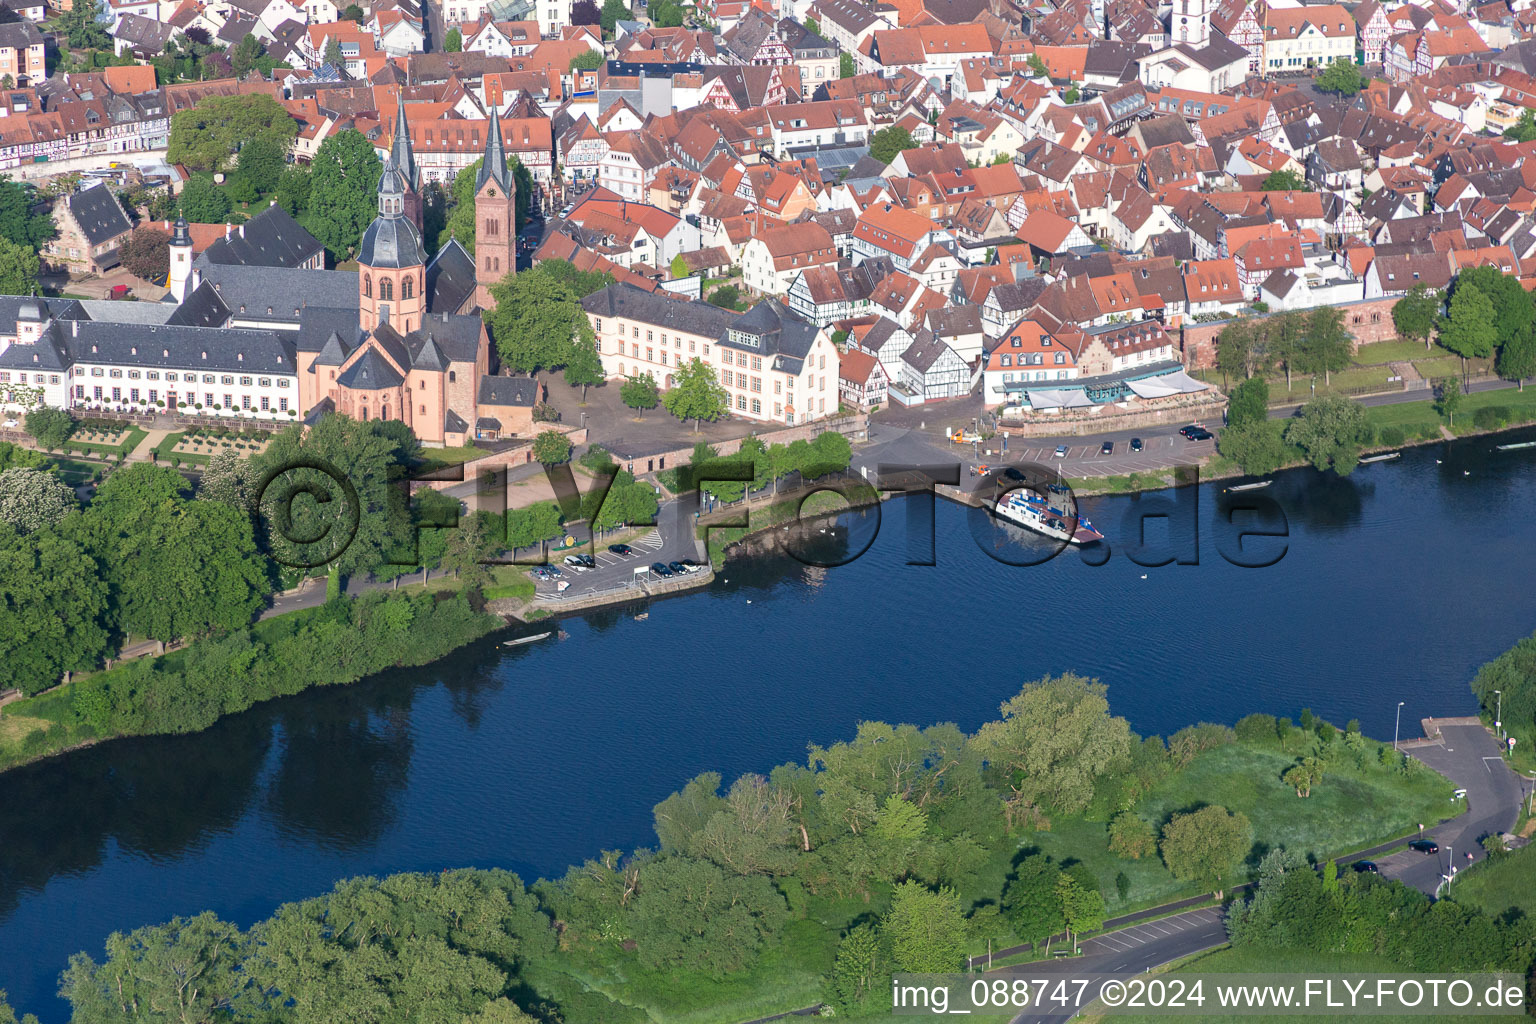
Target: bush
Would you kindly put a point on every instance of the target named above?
(1256, 728)
(1492, 417)
(1193, 740)
(1390, 436)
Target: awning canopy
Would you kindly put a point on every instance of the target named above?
(1058, 399)
(1166, 385)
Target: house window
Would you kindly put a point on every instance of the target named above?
(741, 402)
(133, 394)
(368, 286)
(405, 288)
(386, 289)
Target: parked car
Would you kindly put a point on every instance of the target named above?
(1107, 448)
(1425, 846)
(622, 550)
(1186, 431)
(661, 570)
(1367, 865)
(679, 568)
(1061, 451)
(692, 566)
(1136, 444)
(581, 563)
(1012, 474)
(1199, 434)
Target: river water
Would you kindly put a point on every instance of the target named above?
(1395, 584)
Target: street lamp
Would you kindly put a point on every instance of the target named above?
(1397, 723)
(1498, 715)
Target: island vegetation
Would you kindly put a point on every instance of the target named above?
(901, 849)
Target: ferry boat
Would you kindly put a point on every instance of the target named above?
(1031, 511)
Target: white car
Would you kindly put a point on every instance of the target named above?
(10, 424)
(1061, 451)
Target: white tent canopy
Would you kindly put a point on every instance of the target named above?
(1176, 383)
(1053, 399)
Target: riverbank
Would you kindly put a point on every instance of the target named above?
(189, 689)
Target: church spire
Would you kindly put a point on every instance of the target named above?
(400, 150)
(494, 166)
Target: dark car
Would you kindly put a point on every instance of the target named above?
(1199, 434)
(661, 570)
(1136, 444)
(1012, 474)
(678, 567)
(1425, 846)
(1107, 448)
(622, 550)
(1367, 865)
(1186, 431)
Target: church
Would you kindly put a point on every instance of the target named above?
(420, 351)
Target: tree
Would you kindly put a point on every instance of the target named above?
(8, 1015)
(147, 254)
(691, 916)
(696, 394)
(1303, 775)
(1471, 329)
(1450, 399)
(1330, 430)
(53, 599)
(1205, 846)
(1523, 130)
(333, 54)
(613, 12)
(1285, 339)
(1031, 901)
(812, 26)
(1414, 314)
(552, 448)
(845, 66)
(18, 221)
(1131, 836)
(188, 568)
(1517, 357)
(1054, 739)
(203, 202)
(666, 14)
(585, 12)
(353, 13)
(1328, 342)
(1248, 402)
(228, 479)
(453, 42)
(81, 25)
(1240, 348)
(583, 366)
(537, 319)
(640, 393)
(50, 427)
(1284, 181)
(262, 161)
(292, 192)
(205, 136)
(245, 54)
(726, 297)
(188, 969)
(1037, 67)
(887, 142)
(1342, 76)
(344, 181)
(1256, 447)
(18, 268)
(1513, 310)
(302, 530)
(470, 546)
(859, 972)
(926, 929)
(1082, 907)
(31, 499)
(587, 60)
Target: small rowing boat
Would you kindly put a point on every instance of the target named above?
(1513, 447)
(1250, 487)
(526, 639)
(1382, 457)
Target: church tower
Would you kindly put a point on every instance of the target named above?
(391, 272)
(495, 216)
(1192, 23)
(405, 161)
(181, 260)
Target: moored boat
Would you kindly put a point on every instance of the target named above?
(1032, 512)
(1250, 487)
(1383, 457)
(518, 642)
(1518, 444)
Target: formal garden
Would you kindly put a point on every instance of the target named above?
(105, 438)
(197, 446)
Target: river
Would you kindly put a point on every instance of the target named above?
(1395, 585)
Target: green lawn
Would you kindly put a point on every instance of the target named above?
(1394, 351)
(1500, 885)
(1349, 810)
(1440, 366)
(129, 442)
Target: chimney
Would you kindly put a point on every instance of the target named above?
(74, 329)
(242, 230)
(226, 229)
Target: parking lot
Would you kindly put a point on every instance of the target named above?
(1157, 452)
(667, 542)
